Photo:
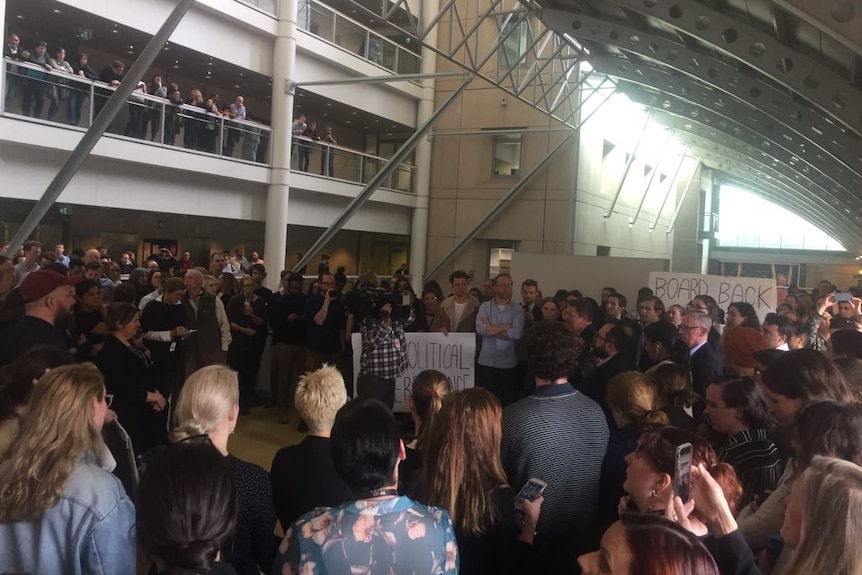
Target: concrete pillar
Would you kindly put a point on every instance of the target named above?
(422, 185)
(278, 191)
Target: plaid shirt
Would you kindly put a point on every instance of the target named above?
(384, 349)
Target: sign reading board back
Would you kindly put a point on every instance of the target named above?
(680, 288)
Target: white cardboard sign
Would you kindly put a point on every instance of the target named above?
(453, 354)
(680, 288)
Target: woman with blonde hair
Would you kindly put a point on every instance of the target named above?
(429, 389)
(463, 474)
(60, 511)
(632, 403)
(209, 405)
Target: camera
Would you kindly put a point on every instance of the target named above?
(369, 301)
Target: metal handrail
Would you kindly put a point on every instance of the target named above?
(305, 24)
(365, 168)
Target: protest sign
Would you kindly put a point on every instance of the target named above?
(453, 354)
(680, 288)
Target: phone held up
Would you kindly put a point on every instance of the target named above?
(682, 472)
(532, 489)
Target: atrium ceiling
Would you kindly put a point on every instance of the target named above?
(766, 92)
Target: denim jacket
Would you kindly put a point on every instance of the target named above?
(90, 530)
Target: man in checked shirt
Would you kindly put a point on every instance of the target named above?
(384, 354)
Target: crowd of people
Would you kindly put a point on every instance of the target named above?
(201, 130)
(117, 405)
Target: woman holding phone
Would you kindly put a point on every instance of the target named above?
(651, 469)
(462, 473)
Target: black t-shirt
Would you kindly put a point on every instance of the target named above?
(26, 334)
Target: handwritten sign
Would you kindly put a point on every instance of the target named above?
(679, 288)
(453, 355)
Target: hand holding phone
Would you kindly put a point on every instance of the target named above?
(682, 472)
(532, 489)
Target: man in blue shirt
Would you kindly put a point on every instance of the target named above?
(500, 324)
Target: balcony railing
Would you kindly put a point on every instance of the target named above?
(72, 102)
(324, 22)
(343, 163)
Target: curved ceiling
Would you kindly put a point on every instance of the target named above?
(766, 92)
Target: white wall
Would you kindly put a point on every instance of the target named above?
(115, 183)
(586, 273)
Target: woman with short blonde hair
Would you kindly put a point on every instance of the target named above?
(60, 511)
(209, 405)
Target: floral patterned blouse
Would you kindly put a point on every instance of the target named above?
(370, 537)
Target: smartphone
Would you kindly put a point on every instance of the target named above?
(405, 299)
(532, 489)
(842, 296)
(682, 472)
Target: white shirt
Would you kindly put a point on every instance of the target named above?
(459, 313)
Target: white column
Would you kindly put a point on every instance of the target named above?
(422, 185)
(278, 191)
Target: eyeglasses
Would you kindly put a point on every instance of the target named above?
(109, 399)
(688, 327)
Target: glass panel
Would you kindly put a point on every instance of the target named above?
(321, 22)
(408, 63)
(389, 54)
(353, 38)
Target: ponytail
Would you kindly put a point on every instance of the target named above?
(429, 389)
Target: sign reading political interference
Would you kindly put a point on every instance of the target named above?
(679, 288)
(453, 354)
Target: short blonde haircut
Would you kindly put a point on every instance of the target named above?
(205, 400)
(319, 396)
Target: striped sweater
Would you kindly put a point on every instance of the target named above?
(558, 435)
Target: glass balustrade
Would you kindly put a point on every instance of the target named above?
(73, 101)
(324, 22)
(62, 98)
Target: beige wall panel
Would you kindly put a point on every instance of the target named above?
(441, 217)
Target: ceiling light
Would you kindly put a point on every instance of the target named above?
(56, 10)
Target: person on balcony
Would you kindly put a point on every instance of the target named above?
(326, 153)
(79, 92)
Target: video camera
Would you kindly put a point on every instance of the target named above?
(367, 301)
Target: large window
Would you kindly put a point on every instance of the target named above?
(746, 220)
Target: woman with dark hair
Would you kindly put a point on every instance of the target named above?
(551, 310)
(741, 314)
(60, 511)
(139, 280)
(378, 529)
(641, 544)
(675, 396)
(429, 306)
(742, 337)
(798, 376)
(129, 377)
(793, 380)
(707, 304)
(651, 468)
(736, 410)
(662, 345)
(186, 509)
(16, 386)
(228, 287)
(472, 487)
(429, 388)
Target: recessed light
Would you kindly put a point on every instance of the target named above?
(354, 113)
(20, 17)
(56, 10)
(236, 86)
